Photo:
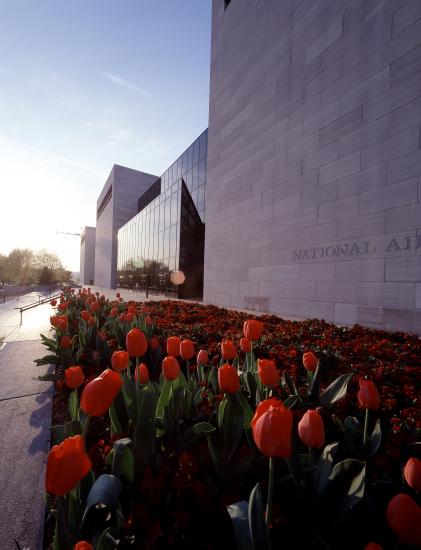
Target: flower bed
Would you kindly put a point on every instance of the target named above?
(278, 433)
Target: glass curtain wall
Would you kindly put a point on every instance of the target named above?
(149, 244)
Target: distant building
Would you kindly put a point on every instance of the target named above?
(116, 205)
(87, 256)
(168, 232)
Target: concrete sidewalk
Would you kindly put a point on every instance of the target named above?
(25, 419)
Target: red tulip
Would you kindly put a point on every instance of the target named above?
(245, 345)
(62, 323)
(136, 343)
(129, 317)
(310, 361)
(368, 396)
(66, 342)
(271, 428)
(148, 320)
(85, 314)
(67, 464)
(268, 373)
(186, 349)
(123, 317)
(132, 310)
(173, 346)
(170, 368)
(412, 474)
(74, 377)
(83, 545)
(94, 307)
(99, 393)
(141, 373)
(154, 343)
(120, 360)
(253, 329)
(113, 312)
(202, 357)
(228, 379)
(228, 350)
(311, 429)
(404, 518)
(63, 306)
(91, 321)
(53, 303)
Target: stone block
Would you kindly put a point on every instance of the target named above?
(324, 41)
(345, 314)
(319, 157)
(360, 270)
(399, 295)
(403, 218)
(404, 269)
(299, 290)
(309, 309)
(364, 136)
(418, 295)
(319, 195)
(317, 272)
(337, 291)
(405, 167)
(405, 116)
(394, 97)
(323, 79)
(392, 147)
(364, 180)
(405, 16)
(339, 168)
(397, 194)
(341, 126)
(405, 66)
(366, 90)
(346, 207)
(373, 223)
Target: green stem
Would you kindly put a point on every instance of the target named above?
(86, 427)
(270, 490)
(367, 412)
(251, 356)
(311, 464)
(188, 370)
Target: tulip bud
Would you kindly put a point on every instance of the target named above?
(170, 368)
(141, 373)
(113, 312)
(186, 349)
(173, 346)
(66, 342)
(228, 379)
(268, 373)
(412, 474)
(94, 307)
(228, 350)
(311, 429)
(202, 357)
(253, 329)
(53, 303)
(310, 361)
(85, 314)
(120, 360)
(74, 377)
(99, 393)
(404, 518)
(272, 427)
(67, 464)
(368, 396)
(136, 343)
(83, 545)
(245, 345)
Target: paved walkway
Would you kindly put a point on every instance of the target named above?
(25, 419)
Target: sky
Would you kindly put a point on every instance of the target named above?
(85, 84)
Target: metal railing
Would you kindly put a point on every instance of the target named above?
(36, 304)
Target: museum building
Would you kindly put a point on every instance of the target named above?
(311, 173)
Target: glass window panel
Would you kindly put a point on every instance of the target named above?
(184, 163)
(196, 152)
(202, 171)
(179, 168)
(173, 240)
(166, 242)
(203, 144)
(174, 208)
(190, 157)
(195, 177)
(189, 180)
(201, 198)
(168, 212)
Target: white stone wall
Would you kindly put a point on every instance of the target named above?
(313, 197)
(87, 256)
(127, 186)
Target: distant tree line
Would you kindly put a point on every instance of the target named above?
(26, 267)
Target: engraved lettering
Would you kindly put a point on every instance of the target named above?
(393, 246)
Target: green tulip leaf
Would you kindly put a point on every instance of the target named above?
(324, 468)
(145, 431)
(163, 398)
(129, 396)
(373, 442)
(74, 405)
(101, 503)
(291, 401)
(108, 539)
(195, 434)
(258, 527)
(123, 459)
(47, 360)
(213, 379)
(239, 516)
(336, 390)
